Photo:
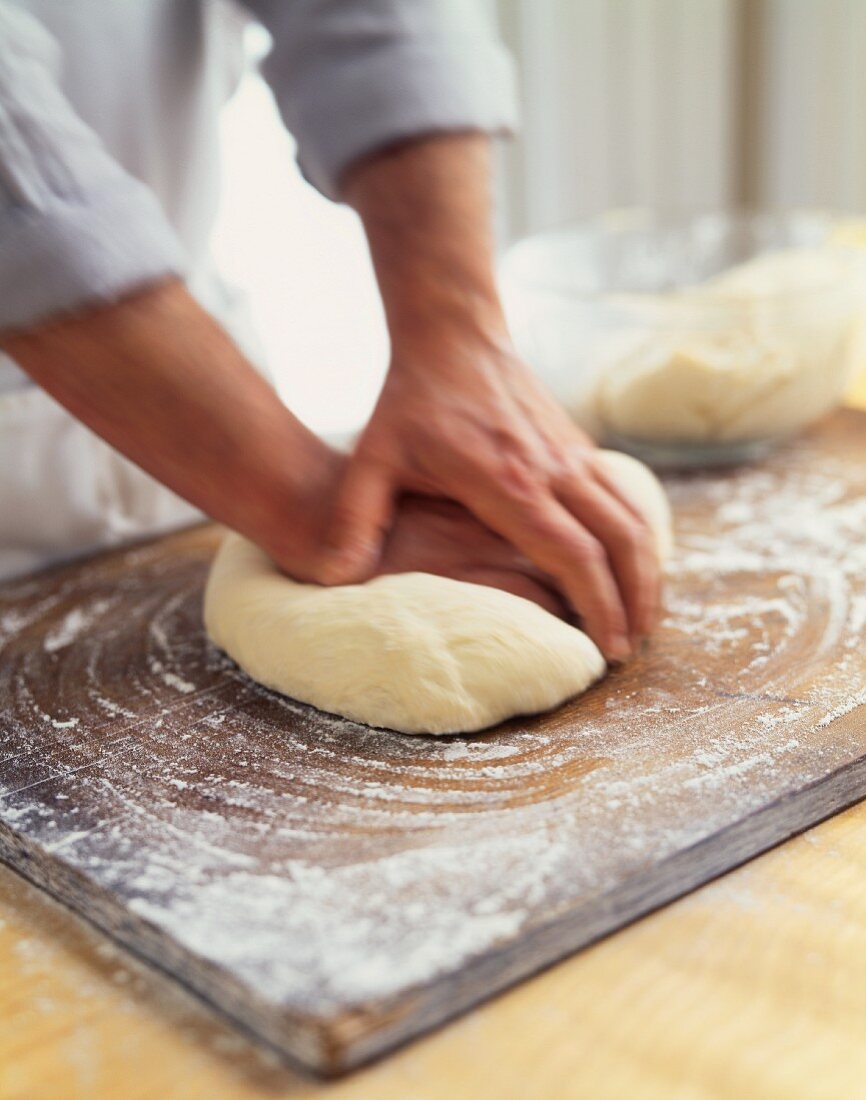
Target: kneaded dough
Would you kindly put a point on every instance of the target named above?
(411, 652)
(765, 347)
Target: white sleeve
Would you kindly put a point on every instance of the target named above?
(74, 226)
(351, 76)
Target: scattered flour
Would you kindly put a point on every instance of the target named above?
(74, 624)
(327, 865)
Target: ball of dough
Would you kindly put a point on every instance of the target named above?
(764, 348)
(411, 652)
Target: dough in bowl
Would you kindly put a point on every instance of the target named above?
(761, 350)
(411, 652)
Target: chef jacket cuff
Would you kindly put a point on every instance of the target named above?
(405, 89)
(64, 255)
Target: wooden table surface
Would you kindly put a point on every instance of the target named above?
(753, 986)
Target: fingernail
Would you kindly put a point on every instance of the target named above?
(344, 566)
(336, 568)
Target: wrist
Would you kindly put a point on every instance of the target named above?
(447, 314)
(436, 343)
(288, 517)
(426, 208)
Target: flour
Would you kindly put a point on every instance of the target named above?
(843, 708)
(73, 625)
(327, 865)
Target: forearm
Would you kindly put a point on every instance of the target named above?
(461, 417)
(160, 380)
(427, 212)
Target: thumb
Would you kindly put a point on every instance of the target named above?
(360, 520)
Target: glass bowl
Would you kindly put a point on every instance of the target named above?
(692, 339)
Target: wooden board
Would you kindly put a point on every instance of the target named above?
(751, 988)
(340, 889)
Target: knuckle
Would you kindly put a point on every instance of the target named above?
(517, 477)
(590, 553)
(630, 538)
(580, 462)
(506, 440)
(562, 470)
(568, 546)
(543, 525)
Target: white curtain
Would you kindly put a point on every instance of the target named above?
(685, 103)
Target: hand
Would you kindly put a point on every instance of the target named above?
(438, 536)
(463, 418)
(427, 536)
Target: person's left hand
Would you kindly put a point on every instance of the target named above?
(440, 537)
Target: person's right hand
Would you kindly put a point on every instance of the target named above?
(461, 417)
(465, 420)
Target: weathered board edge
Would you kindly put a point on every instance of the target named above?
(335, 1045)
(304, 1041)
(538, 948)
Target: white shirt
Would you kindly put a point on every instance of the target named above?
(109, 115)
(109, 178)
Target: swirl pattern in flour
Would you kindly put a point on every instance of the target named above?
(323, 865)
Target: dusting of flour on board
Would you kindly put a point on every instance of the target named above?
(325, 864)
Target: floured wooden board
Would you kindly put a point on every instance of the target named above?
(339, 889)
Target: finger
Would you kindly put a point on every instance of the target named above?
(657, 543)
(360, 520)
(600, 474)
(629, 546)
(518, 584)
(520, 563)
(540, 527)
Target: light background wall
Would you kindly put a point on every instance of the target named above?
(624, 101)
(685, 103)
(673, 103)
